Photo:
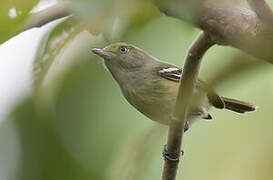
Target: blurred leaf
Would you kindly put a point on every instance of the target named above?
(42, 155)
(238, 65)
(136, 157)
(74, 134)
(51, 45)
(135, 14)
(97, 15)
(12, 14)
(10, 150)
(113, 18)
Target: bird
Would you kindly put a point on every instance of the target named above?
(151, 85)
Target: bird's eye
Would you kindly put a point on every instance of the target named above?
(123, 50)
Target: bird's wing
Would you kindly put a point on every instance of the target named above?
(171, 73)
(174, 74)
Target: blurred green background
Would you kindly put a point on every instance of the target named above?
(77, 125)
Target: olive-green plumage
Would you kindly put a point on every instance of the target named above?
(151, 86)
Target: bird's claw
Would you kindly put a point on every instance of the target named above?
(167, 157)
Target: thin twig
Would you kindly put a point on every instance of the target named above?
(263, 10)
(187, 83)
(45, 16)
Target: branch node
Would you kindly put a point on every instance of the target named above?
(167, 155)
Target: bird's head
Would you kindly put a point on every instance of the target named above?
(122, 57)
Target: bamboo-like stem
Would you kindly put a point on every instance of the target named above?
(187, 84)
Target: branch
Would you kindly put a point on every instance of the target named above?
(226, 24)
(187, 84)
(263, 10)
(45, 16)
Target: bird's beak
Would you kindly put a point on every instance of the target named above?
(102, 53)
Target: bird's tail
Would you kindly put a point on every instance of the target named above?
(238, 106)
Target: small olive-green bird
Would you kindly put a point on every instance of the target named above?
(151, 85)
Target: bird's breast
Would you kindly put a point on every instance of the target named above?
(152, 99)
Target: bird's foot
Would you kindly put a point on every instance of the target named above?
(167, 156)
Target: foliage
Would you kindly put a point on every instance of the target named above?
(76, 125)
(12, 14)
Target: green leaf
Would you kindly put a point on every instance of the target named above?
(42, 154)
(51, 45)
(137, 156)
(12, 14)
